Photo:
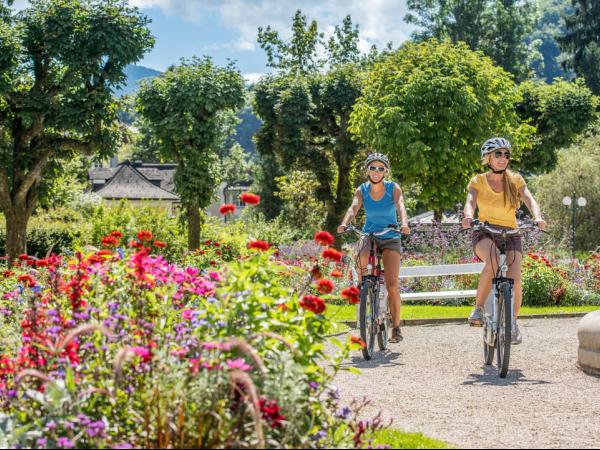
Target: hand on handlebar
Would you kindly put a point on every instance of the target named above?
(541, 223)
(405, 230)
(466, 222)
(341, 229)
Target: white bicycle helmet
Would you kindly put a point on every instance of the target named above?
(493, 144)
(377, 157)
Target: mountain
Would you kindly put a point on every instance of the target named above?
(135, 74)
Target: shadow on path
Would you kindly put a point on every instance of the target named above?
(380, 359)
(490, 377)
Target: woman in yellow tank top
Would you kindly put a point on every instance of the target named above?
(497, 194)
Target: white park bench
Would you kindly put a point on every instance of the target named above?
(436, 271)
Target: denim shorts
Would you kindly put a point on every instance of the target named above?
(383, 244)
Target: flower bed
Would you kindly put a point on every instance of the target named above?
(119, 347)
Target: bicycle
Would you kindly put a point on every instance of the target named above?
(374, 314)
(497, 329)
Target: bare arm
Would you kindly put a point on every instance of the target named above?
(469, 210)
(352, 211)
(533, 206)
(401, 209)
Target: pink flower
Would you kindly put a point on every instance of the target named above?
(142, 352)
(215, 276)
(238, 364)
(187, 314)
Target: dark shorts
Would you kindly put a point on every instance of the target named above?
(384, 244)
(513, 243)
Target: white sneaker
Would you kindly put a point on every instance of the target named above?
(515, 335)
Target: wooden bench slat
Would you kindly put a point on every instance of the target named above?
(438, 295)
(440, 270)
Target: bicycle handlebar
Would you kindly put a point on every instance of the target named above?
(353, 229)
(476, 225)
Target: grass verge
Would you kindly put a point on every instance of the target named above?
(393, 438)
(339, 313)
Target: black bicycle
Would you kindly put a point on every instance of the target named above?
(373, 310)
(499, 313)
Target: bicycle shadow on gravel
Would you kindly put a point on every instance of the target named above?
(380, 359)
(490, 377)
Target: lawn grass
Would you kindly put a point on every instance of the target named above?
(338, 313)
(393, 438)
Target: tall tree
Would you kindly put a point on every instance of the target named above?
(430, 106)
(59, 62)
(305, 112)
(559, 111)
(499, 28)
(190, 109)
(582, 41)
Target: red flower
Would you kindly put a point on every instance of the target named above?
(144, 235)
(27, 279)
(251, 199)
(357, 340)
(271, 412)
(316, 272)
(7, 273)
(332, 254)
(23, 257)
(324, 286)
(116, 234)
(259, 245)
(324, 238)
(313, 303)
(135, 244)
(160, 244)
(41, 263)
(104, 252)
(110, 241)
(352, 294)
(227, 208)
(337, 273)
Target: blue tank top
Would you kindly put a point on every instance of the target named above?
(380, 213)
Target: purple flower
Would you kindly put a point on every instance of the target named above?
(63, 442)
(344, 413)
(122, 445)
(41, 442)
(51, 425)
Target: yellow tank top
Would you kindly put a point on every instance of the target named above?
(491, 203)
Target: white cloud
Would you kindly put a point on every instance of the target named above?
(253, 77)
(380, 21)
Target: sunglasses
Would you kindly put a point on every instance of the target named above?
(377, 168)
(499, 154)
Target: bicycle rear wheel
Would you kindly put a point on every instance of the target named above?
(503, 339)
(385, 325)
(367, 317)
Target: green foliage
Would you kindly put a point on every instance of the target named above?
(548, 27)
(429, 106)
(297, 56)
(542, 284)
(60, 61)
(236, 166)
(582, 41)
(498, 28)
(577, 170)
(190, 110)
(300, 207)
(306, 113)
(559, 111)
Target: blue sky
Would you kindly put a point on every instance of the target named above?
(227, 28)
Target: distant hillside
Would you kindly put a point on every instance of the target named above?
(135, 74)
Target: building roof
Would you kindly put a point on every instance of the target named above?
(127, 182)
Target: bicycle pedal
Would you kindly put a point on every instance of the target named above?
(476, 324)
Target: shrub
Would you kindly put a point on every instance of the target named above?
(542, 283)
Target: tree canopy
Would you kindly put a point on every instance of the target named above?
(190, 110)
(430, 106)
(60, 61)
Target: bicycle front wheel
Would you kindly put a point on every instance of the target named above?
(367, 318)
(503, 340)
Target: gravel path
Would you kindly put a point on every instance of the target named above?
(435, 382)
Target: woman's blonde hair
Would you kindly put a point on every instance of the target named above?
(511, 193)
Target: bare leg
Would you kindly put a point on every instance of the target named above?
(486, 251)
(391, 264)
(514, 271)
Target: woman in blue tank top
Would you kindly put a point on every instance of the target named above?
(383, 201)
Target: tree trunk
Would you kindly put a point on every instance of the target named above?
(194, 223)
(438, 215)
(16, 232)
